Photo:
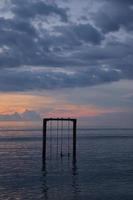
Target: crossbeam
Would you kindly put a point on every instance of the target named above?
(59, 119)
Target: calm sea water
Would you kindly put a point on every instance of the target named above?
(103, 171)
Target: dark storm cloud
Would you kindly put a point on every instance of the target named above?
(26, 47)
(87, 33)
(43, 35)
(28, 9)
(113, 15)
(33, 80)
(74, 36)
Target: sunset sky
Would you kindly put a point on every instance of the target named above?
(67, 58)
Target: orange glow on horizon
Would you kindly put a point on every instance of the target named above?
(70, 110)
(11, 103)
(48, 106)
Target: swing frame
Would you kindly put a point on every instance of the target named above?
(45, 120)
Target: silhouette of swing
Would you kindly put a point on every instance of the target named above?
(59, 137)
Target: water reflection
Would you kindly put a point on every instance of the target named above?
(62, 182)
(75, 185)
(45, 186)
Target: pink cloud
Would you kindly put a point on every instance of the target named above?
(70, 110)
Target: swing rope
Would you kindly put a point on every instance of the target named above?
(68, 138)
(57, 137)
(61, 138)
(50, 132)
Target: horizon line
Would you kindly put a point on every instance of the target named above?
(78, 128)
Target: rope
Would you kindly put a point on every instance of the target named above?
(57, 137)
(50, 131)
(68, 138)
(61, 138)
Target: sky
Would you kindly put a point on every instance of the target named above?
(67, 58)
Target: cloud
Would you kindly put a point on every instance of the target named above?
(109, 120)
(12, 117)
(27, 80)
(29, 9)
(65, 109)
(30, 115)
(80, 33)
(22, 45)
(38, 34)
(113, 15)
(27, 115)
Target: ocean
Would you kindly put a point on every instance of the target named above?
(103, 170)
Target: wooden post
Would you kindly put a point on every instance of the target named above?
(44, 142)
(74, 138)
